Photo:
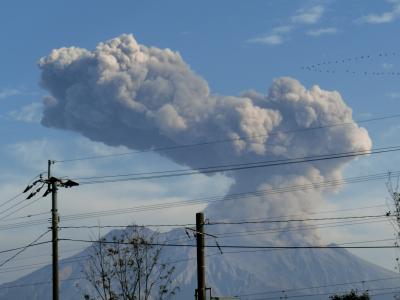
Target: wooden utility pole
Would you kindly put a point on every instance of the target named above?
(52, 185)
(201, 267)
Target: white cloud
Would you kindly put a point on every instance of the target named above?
(276, 37)
(273, 39)
(31, 113)
(308, 16)
(386, 17)
(393, 95)
(321, 31)
(282, 29)
(279, 34)
(5, 93)
(387, 66)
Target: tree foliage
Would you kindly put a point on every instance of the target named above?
(129, 267)
(353, 295)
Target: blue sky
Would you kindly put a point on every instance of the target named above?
(235, 46)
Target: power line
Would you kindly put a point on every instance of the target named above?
(225, 235)
(36, 283)
(295, 220)
(229, 223)
(124, 226)
(291, 229)
(11, 199)
(208, 200)
(196, 201)
(24, 224)
(79, 258)
(72, 259)
(275, 190)
(319, 286)
(205, 143)
(23, 249)
(24, 200)
(14, 205)
(313, 185)
(79, 278)
(231, 167)
(46, 255)
(31, 266)
(18, 195)
(40, 222)
(324, 293)
(27, 216)
(236, 246)
(280, 161)
(298, 228)
(20, 208)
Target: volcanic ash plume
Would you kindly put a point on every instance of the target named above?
(124, 93)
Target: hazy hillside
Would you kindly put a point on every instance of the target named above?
(260, 273)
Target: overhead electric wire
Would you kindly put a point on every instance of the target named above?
(47, 255)
(24, 224)
(11, 199)
(14, 205)
(229, 197)
(235, 246)
(24, 248)
(318, 286)
(21, 208)
(40, 222)
(227, 235)
(20, 202)
(297, 228)
(19, 194)
(230, 167)
(44, 263)
(27, 216)
(388, 293)
(275, 190)
(174, 147)
(327, 294)
(73, 259)
(5, 286)
(294, 220)
(230, 223)
(332, 293)
(84, 257)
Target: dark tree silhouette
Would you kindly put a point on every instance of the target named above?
(353, 295)
(129, 268)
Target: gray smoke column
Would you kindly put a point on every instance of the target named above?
(124, 93)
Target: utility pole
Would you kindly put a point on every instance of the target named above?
(52, 185)
(201, 267)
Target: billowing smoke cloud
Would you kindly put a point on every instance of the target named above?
(124, 93)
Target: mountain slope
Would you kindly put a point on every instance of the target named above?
(235, 272)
